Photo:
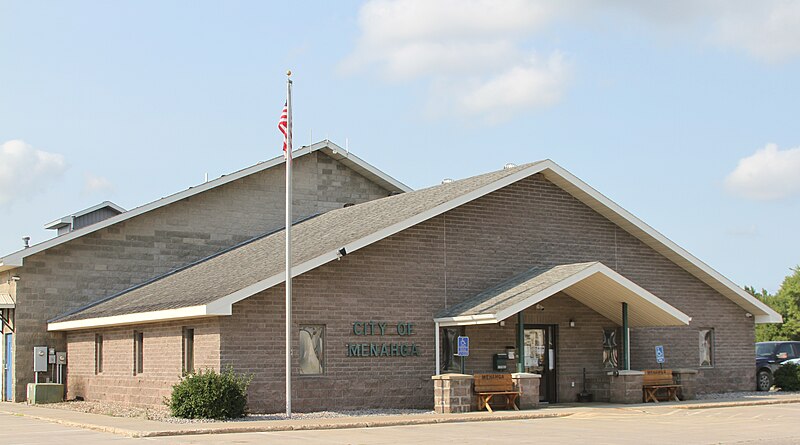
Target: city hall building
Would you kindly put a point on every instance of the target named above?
(527, 258)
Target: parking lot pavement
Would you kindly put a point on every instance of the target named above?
(657, 425)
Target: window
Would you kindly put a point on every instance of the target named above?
(312, 357)
(706, 347)
(188, 350)
(785, 351)
(450, 362)
(138, 352)
(98, 353)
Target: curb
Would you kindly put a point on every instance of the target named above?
(243, 427)
(342, 425)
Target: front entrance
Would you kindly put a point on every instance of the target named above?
(540, 358)
(7, 342)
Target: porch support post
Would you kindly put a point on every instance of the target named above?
(626, 350)
(438, 354)
(520, 342)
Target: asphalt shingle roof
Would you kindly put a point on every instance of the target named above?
(514, 290)
(254, 261)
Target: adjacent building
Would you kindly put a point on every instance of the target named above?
(105, 250)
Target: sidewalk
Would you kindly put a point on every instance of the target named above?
(136, 427)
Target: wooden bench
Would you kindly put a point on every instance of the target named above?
(490, 385)
(659, 380)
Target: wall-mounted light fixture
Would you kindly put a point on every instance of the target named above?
(572, 323)
(502, 323)
(15, 278)
(539, 307)
(748, 315)
(340, 253)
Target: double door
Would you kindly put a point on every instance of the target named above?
(540, 358)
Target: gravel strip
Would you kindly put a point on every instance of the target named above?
(162, 414)
(747, 395)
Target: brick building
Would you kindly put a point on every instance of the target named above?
(528, 257)
(105, 250)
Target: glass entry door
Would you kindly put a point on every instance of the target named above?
(540, 358)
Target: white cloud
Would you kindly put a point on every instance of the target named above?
(25, 171)
(97, 184)
(767, 30)
(536, 84)
(769, 173)
(467, 49)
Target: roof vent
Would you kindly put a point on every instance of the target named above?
(509, 166)
(26, 241)
(446, 181)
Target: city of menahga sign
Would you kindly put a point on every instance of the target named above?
(382, 349)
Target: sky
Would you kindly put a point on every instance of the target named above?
(682, 112)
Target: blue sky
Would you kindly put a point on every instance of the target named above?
(682, 112)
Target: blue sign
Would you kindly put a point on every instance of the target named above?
(463, 347)
(660, 354)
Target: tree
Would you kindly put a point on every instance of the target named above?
(787, 303)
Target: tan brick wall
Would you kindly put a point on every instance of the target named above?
(404, 278)
(412, 275)
(162, 361)
(112, 259)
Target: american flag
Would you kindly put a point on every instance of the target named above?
(283, 125)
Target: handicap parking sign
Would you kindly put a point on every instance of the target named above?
(660, 354)
(463, 346)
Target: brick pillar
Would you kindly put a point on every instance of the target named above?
(452, 393)
(528, 385)
(687, 378)
(626, 386)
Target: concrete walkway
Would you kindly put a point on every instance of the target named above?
(136, 427)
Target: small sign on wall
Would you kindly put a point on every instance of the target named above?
(660, 354)
(463, 346)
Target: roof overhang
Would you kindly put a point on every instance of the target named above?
(137, 318)
(352, 161)
(598, 287)
(6, 302)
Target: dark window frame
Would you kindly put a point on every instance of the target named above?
(98, 354)
(138, 352)
(187, 350)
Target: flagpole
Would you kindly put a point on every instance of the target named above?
(289, 245)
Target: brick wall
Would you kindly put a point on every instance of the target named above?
(412, 275)
(162, 361)
(112, 259)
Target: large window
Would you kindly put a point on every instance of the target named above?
(188, 350)
(138, 352)
(706, 347)
(312, 350)
(98, 353)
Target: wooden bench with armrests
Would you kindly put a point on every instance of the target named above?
(659, 380)
(490, 385)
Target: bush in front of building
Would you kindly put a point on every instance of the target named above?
(210, 395)
(787, 377)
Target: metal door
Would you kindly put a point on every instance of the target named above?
(7, 395)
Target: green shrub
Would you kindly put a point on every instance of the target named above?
(209, 395)
(787, 377)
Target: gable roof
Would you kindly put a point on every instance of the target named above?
(202, 291)
(594, 284)
(332, 150)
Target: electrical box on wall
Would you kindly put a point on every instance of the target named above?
(500, 362)
(40, 359)
(61, 358)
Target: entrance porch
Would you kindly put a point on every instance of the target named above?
(567, 327)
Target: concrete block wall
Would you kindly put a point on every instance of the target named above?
(115, 258)
(162, 361)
